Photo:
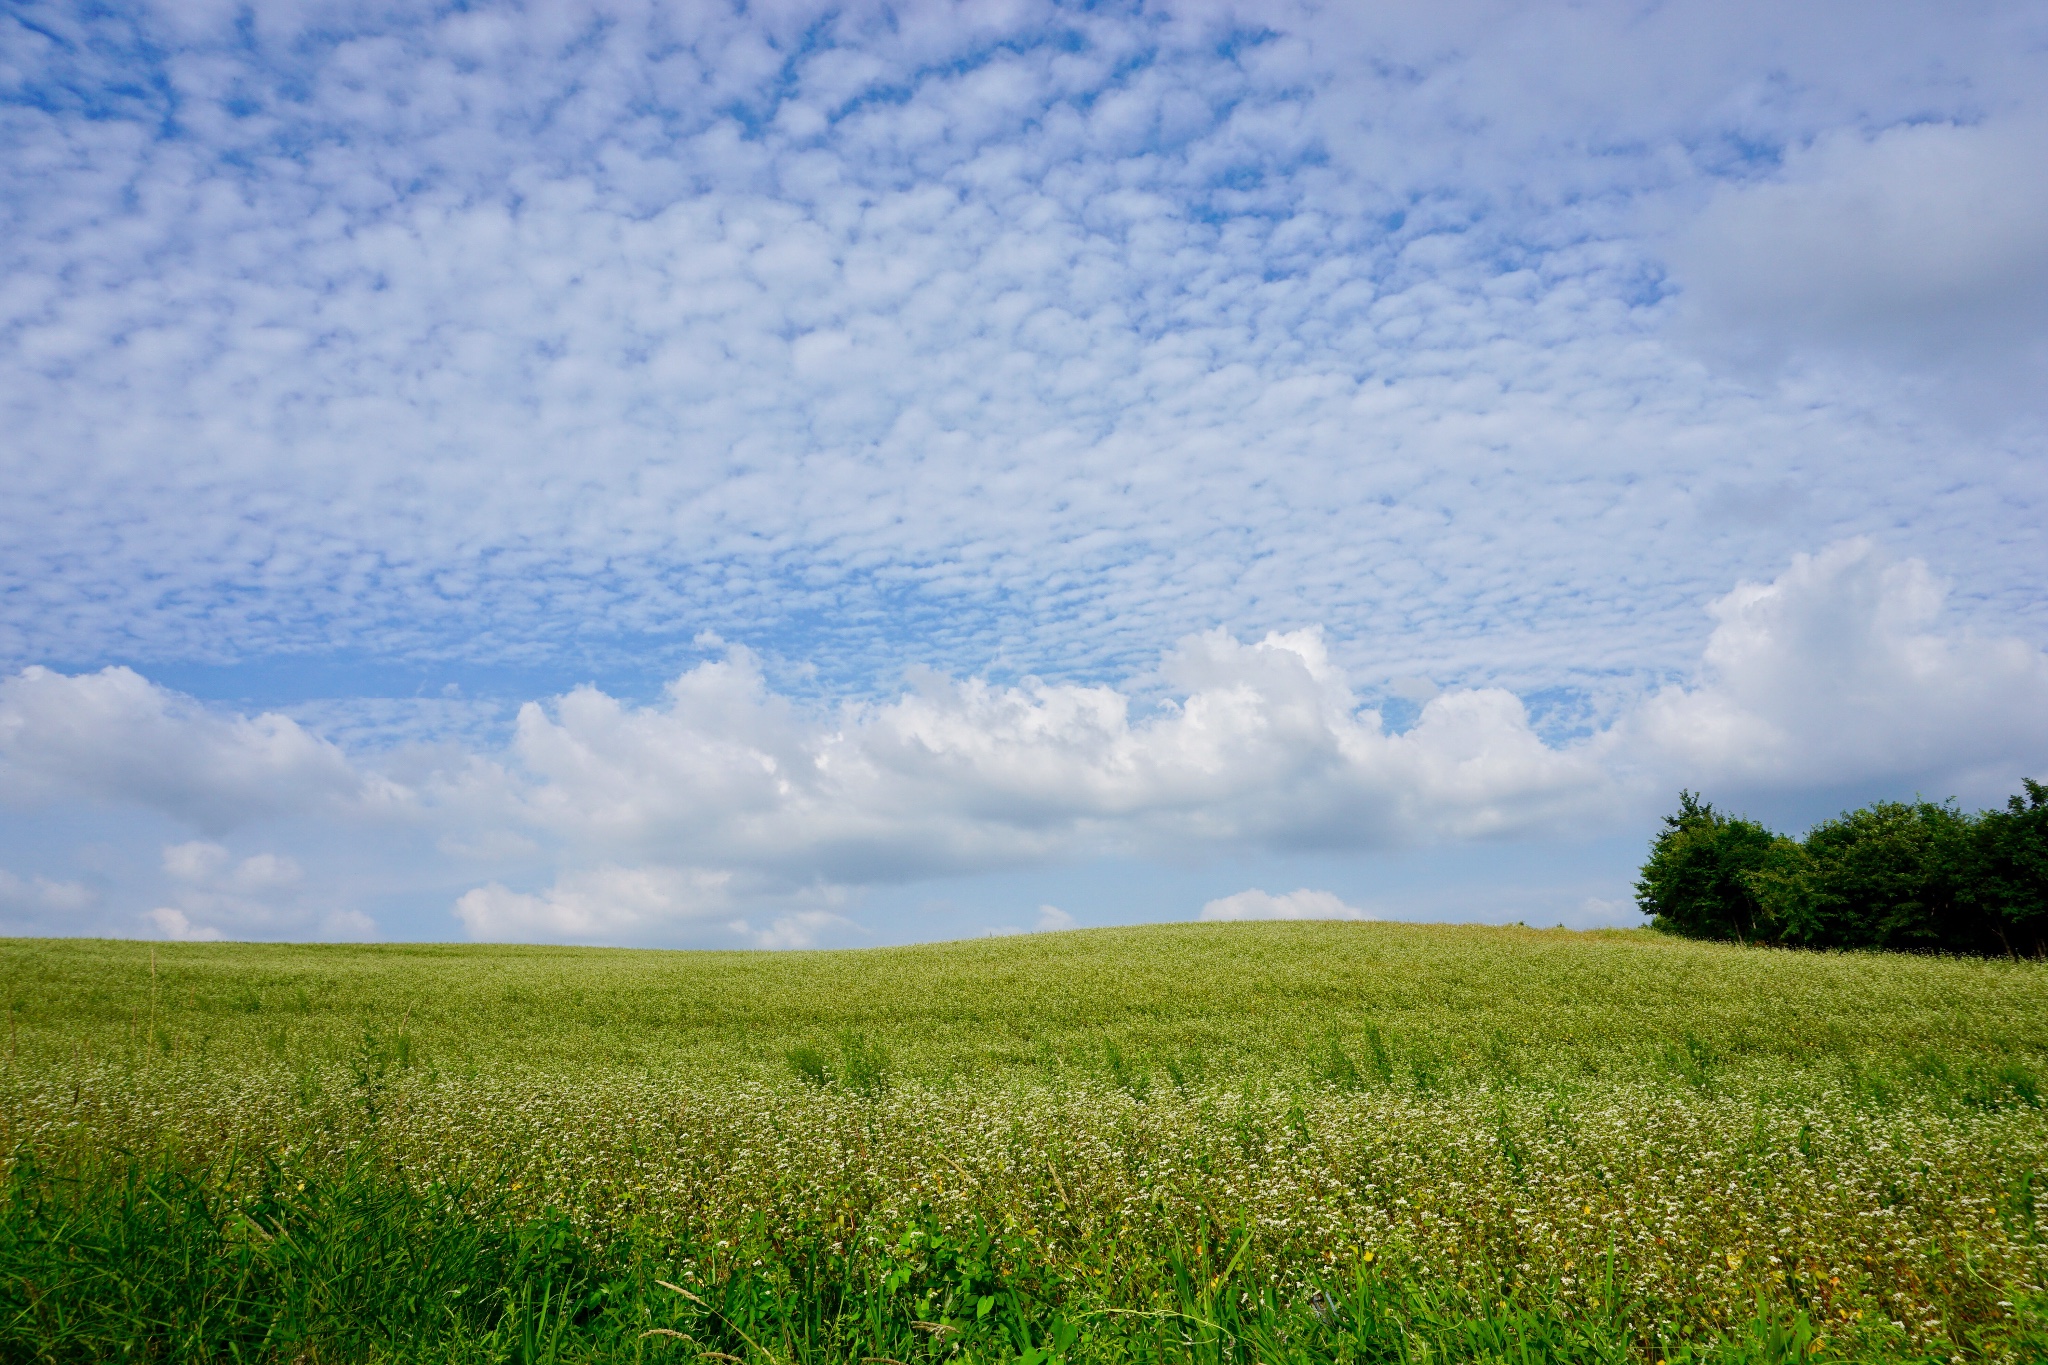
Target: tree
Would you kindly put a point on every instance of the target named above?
(1890, 875)
(1698, 880)
(2012, 872)
(1918, 877)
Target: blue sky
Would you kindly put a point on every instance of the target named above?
(795, 475)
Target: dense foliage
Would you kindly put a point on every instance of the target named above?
(1916, 877)
(1196, 1144)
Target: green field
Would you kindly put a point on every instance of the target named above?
(1218, 1143)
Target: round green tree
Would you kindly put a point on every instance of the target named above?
(1700, 877)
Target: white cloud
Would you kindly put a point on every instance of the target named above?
(1913, 258)
(211, 866)
(40, 904)
(1264, 744)
(1084, 358)
(1052, 919)
(174, 924)
(1598, 912)
(1838, 672)
(1302, 904)
(1408, 687)
(798, 930)
(606, 904)
(540, 339)
(1926, 239)
(348, 924)
(114, 736)
(197, 861)
(728, 811)
(259, 896)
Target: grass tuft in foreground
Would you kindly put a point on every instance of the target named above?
(361, 1264)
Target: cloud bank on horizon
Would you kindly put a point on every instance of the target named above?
(607, 473)
(725, 801)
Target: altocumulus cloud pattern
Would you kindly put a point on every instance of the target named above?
(796, 474)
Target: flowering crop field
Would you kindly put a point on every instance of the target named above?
(1229, 1143)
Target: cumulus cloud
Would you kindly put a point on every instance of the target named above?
(176, 925)
(114, 736)
(217, 895)
(606, 904)
(1302, 904)
(1264, 744)
(647, 903)
(799, 929)
(1838, 672)
(730, 811)
(1052, 919)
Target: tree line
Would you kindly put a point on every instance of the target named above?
(1917, 877)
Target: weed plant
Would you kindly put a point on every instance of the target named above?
(1233, 1143)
